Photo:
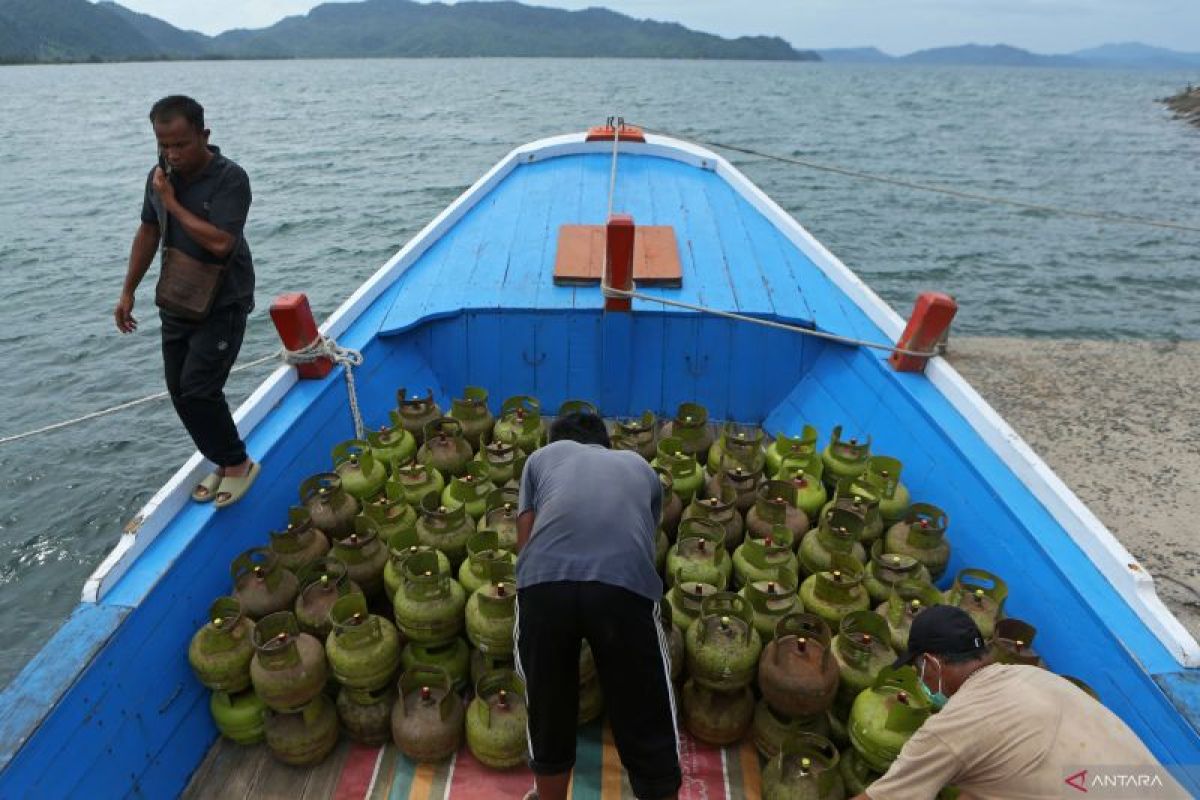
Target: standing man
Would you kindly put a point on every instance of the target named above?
(585, 532)
(198, 200)
(1006, 731)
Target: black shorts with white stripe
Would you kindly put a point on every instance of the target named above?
(627, 642)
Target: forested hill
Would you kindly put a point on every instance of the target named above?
(78, 30)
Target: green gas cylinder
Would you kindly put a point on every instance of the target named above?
(391, 445)
(445, 447)
(838, 531)
(722, 645)
(772, 599)
(496, 721)
(220, 652)
(414, 413)
(805, 769)
(429, 603)
(861, 648)
(981, 594)
(784, 448)
(844, 459)
(922, 535)
(907, 599)
(737, 444)
(885, 570)
(832, 594)
(363, 648)
(687, 476)
(239, 717)
(721, 509)
(638, 434)
(699, 554)
(472, 411)
(886, 715)
(690, 427)
(757, 559)
(520, 422)
(300, 542)
(361, 473)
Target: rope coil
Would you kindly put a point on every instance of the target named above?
(327, 348)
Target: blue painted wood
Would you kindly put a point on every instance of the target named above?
(24, 703)
(619, 353)
(119, 711)
(648, 349)
(1183, 687)
(996, 524)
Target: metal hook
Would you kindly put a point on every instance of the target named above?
(533, 362)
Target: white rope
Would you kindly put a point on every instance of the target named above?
(609, 291)
(104, 412)
(327, 348)
(617, 123)
(961, 195)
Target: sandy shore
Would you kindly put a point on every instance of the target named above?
(1119, 423)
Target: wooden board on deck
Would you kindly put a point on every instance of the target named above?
(580, 257)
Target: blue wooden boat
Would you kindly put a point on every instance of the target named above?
(109, 707)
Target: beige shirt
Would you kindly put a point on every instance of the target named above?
(1021, 732)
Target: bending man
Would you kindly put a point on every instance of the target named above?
(586, 529)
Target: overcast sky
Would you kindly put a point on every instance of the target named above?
(897, 26)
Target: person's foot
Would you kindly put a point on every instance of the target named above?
(206, 489)
(236, 483)
(238, 470)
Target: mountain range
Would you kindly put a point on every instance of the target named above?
(78, 30)
(1130, 55)
(58, 31)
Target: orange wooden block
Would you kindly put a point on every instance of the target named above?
(625, 133)
(580, 258)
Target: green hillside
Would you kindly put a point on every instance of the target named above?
(77, 30)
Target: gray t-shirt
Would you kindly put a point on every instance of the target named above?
(596, 516)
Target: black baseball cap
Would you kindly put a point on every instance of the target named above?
(941, 630)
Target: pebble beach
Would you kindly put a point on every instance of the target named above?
(1118, 422)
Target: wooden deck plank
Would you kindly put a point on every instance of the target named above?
(228, 771)
(323, 778)
(580, 254)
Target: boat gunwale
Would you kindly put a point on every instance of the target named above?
(1132, 582)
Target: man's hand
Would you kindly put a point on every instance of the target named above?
(123, 314)
(162, 184)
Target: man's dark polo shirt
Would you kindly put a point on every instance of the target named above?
(221, 196)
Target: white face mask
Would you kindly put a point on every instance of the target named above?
(937, 699)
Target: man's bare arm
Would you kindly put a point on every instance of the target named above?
(141, 256)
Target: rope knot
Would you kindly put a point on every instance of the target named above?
(325, 347)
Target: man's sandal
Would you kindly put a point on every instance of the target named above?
(234, 487)
(206, 489)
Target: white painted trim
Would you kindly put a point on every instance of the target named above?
(160, 509)
(1133, 583)
(1130, 579)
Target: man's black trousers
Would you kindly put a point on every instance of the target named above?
(630, 649)
(197, 357)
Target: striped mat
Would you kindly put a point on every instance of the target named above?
(383, 773)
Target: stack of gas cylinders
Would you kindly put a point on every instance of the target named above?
(385, 605)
